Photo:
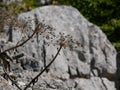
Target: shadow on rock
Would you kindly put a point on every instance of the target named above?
(118, 71)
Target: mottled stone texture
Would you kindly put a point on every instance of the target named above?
(91, 66)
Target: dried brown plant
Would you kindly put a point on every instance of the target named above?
(10, 19)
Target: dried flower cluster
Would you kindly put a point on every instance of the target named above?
(67, 41)
(45, 31)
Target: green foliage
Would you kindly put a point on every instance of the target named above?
(17, 7)
(30, 3)
(14, 7)
(104, 13)
(25, 5)
(117, 45)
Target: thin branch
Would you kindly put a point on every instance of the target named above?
(21, 44)
(36, 77)
(13, 82)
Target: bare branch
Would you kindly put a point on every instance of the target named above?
(21, 44)
(36, 77)
(13, 82)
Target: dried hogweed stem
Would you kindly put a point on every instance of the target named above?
(36, 77)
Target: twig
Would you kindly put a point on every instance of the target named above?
(36, 77)
(21, 44)
(13, 82)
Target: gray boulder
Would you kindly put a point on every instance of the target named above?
(96, 56)
(94, 60)
(95, 83)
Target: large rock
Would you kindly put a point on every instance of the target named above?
(95, 57)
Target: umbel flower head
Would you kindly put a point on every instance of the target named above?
(66, 41)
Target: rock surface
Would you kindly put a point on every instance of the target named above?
(5, 85)
(91, 66)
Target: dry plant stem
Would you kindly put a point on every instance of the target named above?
(21, 44)
(13, 82)
(36, 77)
